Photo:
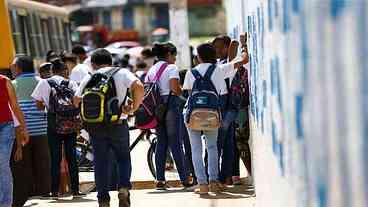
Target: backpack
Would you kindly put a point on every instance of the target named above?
(238, 95)
(152, 110)
(100, 105)
(61, 104)
(203, 109)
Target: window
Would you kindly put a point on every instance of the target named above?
(38, 31)
(60, 33)
(25, 35)
(32, 34)
(128, 18)
(16, 30)
(106, 15)
(53, 34)
(67, 36)
(46, 35)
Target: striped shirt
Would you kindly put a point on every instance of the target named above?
(36, 120)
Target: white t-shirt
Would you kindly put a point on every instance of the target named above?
(123, 81)
(218, 76)
(79, 72)
(43, 89)
(171, 72)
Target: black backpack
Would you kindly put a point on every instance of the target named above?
(100, 105)
(61, 104)
(238, 90)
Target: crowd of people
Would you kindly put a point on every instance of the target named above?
(45, 110)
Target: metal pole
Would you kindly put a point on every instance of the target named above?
(179, 32)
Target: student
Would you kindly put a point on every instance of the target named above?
(45, 70)
(57, 139)
(226, 139)
(32, 175)
(8, 103)
(207, 58)
(113, 136)
(168, 131)
(81, 70)
(70, 61)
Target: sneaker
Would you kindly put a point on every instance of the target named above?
(202, 189)
(228, 181)
(104, 204)
(237, 180)
(216, 187)
(79, 195)
(124, 197)
(162, 185)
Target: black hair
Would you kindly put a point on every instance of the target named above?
(207, 53)
(172, 48)
(78, 50)
(50, 55)
(25, 63)
(147, 53)
(126, 56)
(160, 50)
(58, 66)
(101, 57)
(224, 38)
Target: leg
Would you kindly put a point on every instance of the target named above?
(161, 153)
(187, 148)
(41, 165)
(211, 143)
(22, 175)
(120, 145)
(197, 154)
(70, 141)
(6, 181)
(100, 147)
(175, 143)
(55, 145)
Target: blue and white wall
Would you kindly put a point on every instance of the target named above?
(309, 86)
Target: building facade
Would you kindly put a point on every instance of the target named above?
(308, 100)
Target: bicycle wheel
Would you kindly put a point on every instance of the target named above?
(171, 172)
(151, 157)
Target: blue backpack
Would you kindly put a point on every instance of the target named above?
(203, 108)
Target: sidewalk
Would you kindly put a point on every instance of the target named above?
(240, 196)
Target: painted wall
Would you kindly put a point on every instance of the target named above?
(309, 86)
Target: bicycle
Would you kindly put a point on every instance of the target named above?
(85, 156)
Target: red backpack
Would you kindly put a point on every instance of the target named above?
(151, 112)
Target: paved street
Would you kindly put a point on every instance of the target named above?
(234, 197)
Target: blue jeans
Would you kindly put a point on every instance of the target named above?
(226, 144)
(169, 137)
(115, 138)
(7, 137)
(197, 154)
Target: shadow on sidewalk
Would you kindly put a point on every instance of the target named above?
(77, 200)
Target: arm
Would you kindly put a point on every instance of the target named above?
(175, 86)
(40, 105)
(17, 112)
(137, 92)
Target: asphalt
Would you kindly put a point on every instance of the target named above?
(240, 196)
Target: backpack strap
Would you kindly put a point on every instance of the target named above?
(110, 73)
(196, 74)
(160, 72)
(209, 72)
(207, 76)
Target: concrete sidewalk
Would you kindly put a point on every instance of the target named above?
(240, 196)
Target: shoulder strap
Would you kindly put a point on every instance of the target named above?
(227, 81)
(209, 72)
(52, 83)
(65, 83)
(160, 72)
(110, 73)
(196, 74)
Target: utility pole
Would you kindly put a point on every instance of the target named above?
(179, 32)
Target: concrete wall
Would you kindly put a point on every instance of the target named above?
(309, 86)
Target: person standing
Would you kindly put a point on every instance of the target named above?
(168, 130)
(56, 137)
(32, 175)
(81, 69)
(8, 103)
(114, 135)
(209, 70)
(226, 140)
